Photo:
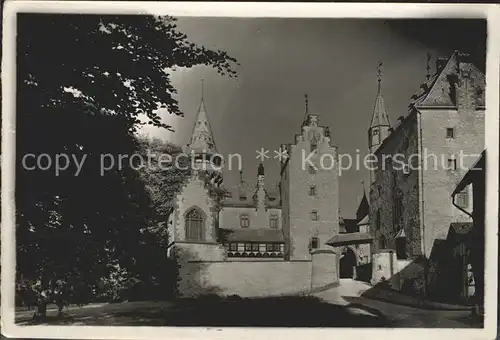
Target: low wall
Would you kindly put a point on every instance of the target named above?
(246, 279)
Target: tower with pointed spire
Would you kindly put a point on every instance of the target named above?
(380, 125)
(201, 145)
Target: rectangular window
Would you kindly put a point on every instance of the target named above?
(462, 199)
(397, 211)
(314, 215)
(314, 243)
(452, 164)
(255, 247)
(450, 133)
(244, 221)
(248, 247)
(377, 220)
(269, 247)
(312, 190)
(233, 246)
(382, 243)
(276, 247)
(273, 221)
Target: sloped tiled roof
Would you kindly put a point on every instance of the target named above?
(478, 169)
(364, 221)
(363, 208)
(349, 238)
(243, 195)
(254, 235)
(436, 91)
(348, 225)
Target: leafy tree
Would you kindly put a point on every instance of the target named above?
(85, 84)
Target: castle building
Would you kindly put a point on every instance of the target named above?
(420, 162)
(255, 240)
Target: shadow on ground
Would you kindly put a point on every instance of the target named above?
(232, 311)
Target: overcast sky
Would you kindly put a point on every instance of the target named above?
(334, 61)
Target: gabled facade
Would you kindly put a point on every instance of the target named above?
(423, 158)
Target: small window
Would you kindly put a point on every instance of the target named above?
(314, 144)
(273, 221)
(233, 246)
(375, 132)
(276, 247)
(255, 247)
(406, 169)
(314, 243)
(314, 215)
(312, 190)
(244, 221)
(450, 133)
(269, 247)
(452, 164)
(382, 243)
(377, 220)
(248, 247)
(462, 199)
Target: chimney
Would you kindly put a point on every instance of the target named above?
(440, 64)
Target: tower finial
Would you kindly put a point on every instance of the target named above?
(428, 65)
(379, 75)
(202, 88)
(307, 103)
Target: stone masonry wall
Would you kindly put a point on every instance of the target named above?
(229, 217)
(439, 182)
(246, 279)
(193, 194)
(301, 227)
(390, 181)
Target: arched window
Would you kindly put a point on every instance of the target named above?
(194, 225)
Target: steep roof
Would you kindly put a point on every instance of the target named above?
(436, 90)
(254, 235)
(380, 116)
(202, 138)
(363, 208)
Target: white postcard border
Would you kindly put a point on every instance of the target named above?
(247, 9)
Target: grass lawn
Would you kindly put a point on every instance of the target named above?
(214, 311)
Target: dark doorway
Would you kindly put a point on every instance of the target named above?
(348, 264)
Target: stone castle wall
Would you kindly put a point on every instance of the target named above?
(298, 205)
(256, 279)
(439, 183)
(391, 180)
(229, 217)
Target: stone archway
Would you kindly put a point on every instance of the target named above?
(348, 263)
